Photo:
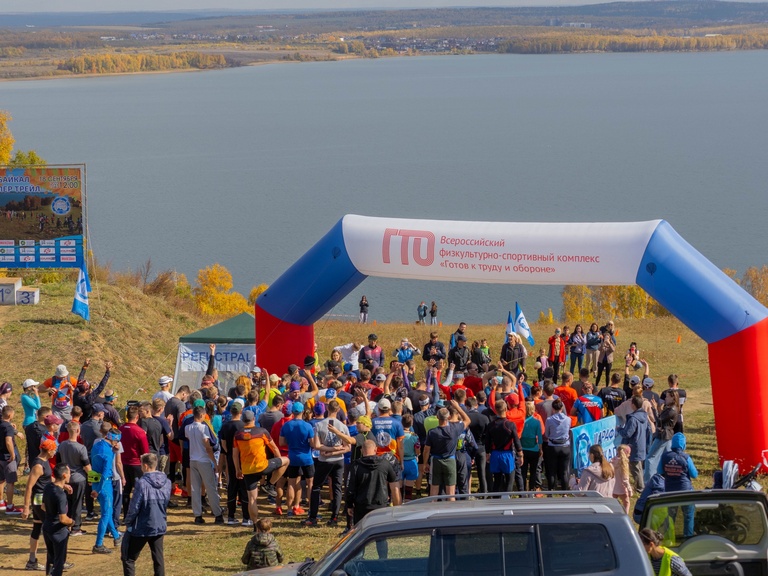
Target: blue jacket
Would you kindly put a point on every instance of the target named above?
(655, 486)
(676, 466)
(102, 456)
(635, 434)
(146, 514)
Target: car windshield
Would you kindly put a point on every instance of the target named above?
(741, 522)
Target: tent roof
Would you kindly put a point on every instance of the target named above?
(238, 330)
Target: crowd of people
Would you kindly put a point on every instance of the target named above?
(376, 432)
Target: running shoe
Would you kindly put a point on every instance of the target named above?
(34, 565)
(91, 516)
(119, 539)
(101, 550)
(219, 519)
(278, 511)
(298, 511)
(13, 510)
(247, 523)
(232, 522)
(310, 523)
(74, 533)
(269, 490)
(2, 506)
(334, 521)
(199, 520)
(68, 566)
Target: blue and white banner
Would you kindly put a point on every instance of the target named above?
(80, 305)
(231, 361)
(521, 325)
(602, 432)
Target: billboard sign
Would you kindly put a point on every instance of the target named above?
(42, 216)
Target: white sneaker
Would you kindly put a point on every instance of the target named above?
(2, 506)
(247, 523)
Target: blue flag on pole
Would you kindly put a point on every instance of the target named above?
(80, 305)
(521, 325)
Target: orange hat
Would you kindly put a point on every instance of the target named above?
(512, 400)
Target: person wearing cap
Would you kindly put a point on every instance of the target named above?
(512, 355)
(110, 412)
(460, 355)
(85, 395)
(5, 394)
(165, 388)
(61, 387)
(40, 476)
(557, 352)
(331, 448)
(389, 433)
(406, 351)
(252, 463)
(103, 456)
(372, 354)
(8, 462)
(297, 435)
(30, 401)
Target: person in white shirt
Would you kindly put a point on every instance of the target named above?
(202, 466)
(164, 392)
(350, 354)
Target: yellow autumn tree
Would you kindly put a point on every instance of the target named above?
(6, 138)
(255, 292)
(213, 293)
(577, 303)
(755, 281)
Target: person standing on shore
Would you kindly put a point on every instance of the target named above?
(422, 312)
(433, 313)
(364, 310)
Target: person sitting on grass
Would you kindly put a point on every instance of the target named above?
(262, 549)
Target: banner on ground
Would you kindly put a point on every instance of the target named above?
(231, 361)
(42, 216)
(602, 432)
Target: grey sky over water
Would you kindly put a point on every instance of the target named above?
(14, 6)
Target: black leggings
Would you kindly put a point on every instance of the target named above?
(603, 366)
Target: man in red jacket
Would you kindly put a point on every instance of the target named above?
(135, 444)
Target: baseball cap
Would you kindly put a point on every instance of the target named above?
(648, 383)
(372, 337)
(512, 400)
(319, 409)
(297, 408)
(274, 378)
(98, 407)
(292, 368)
(634, 380)
(458, 375)
(336, 371)
(461, 338)
(52, 419)
(365, 420)
(295, 386)
(384, 404)
(48, 445)
(198, 402)
(165, 380)
(309, 361)
(61, 371)
(330, 394)
(28, 383)
(381, 377)
(239, 401)
(256, 369)
(248, 416)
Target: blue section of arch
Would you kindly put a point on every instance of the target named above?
(693, 289)
(315, 283)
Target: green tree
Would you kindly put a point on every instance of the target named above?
(29, 158)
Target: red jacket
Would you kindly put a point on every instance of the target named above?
(563, 343)
(135, 443)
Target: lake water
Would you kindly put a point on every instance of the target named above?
(249, 167)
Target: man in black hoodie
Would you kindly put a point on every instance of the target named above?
(369, 480)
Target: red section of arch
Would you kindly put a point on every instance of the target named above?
(739, 373)
(279, 343)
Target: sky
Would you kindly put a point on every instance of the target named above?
(12, 6)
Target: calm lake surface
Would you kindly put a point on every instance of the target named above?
(249, 167)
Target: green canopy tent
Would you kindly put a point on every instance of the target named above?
(235, 347)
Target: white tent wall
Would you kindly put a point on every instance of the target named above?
(231, 361)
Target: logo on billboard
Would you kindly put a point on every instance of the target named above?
(423, 251)
(61, 206)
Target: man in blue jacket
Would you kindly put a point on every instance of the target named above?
(635, 434)
(146, 519)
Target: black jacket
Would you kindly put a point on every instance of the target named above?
(369, 480)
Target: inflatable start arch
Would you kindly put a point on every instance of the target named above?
(649, 254)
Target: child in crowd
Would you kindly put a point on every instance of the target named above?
(542, 363)
(262, 550)
(622, 488)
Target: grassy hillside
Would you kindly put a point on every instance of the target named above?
(139, 334)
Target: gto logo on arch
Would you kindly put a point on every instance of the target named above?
(421, 258)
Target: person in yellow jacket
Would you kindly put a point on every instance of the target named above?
(664, 561)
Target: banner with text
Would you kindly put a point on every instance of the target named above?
(231, 361)
(500, 252)
(602, 432)
(42, 216)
